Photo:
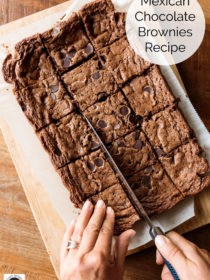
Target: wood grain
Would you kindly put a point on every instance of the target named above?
(21, 246)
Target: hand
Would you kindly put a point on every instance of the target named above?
(94, 259)
(189, 261)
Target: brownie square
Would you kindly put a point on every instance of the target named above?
(154, 189)
(132, 153)
(102, 24)
(187, 168)
(87, 176)
(125, 213)
(89, 83)
(167, 130)
(44, 102)
(111, 118)
(68, 140)
(148, 94)
(122, 61)
(67, 43)
(29, 65)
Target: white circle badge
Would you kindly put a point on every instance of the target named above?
(165, 32)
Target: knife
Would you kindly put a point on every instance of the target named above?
(154, 230)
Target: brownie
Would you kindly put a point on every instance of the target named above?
(187, 168)
(29, 64)
(111, 118)
(102, 24)
(89, 83)
(68, 139)
(122, 61)
(67, 43)
(154, 189)
(125, 213)
(167, 130)
(132, 153)
(149, 93)
(44, 102)
(87, 176)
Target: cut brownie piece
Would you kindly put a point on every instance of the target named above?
(148, 94)
(89, 83)
(111, 118)
(154, 189)
(44, 102)
(87, 176)
(102, 24)
(67, 140)
(125, 213)
(67, 43)
(187, 168)
(132, 153)
(29, 64)
(167, 130)
(122, 61)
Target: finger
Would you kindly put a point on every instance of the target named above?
(66, 238)
(104, 241)
(159, 259)
(166, 274)
(121, 247)
(92, 230)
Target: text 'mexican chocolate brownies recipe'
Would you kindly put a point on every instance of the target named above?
(84, 66)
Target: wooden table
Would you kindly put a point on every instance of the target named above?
(21, 247)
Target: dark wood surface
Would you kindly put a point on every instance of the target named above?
(14, 207)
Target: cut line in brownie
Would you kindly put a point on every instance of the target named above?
(154, 189)
(111, 118)
(68, 140)
(29, 65)
(121, 60)
(132, 152)
(187, 168)
(149, 93)
(125, 214)
(44, 102)
(167, 130)
(89, 83)
(65, 49)
(102, 24)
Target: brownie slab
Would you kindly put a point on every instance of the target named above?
(154, 189)
(44, 102)
(120, 59)
(149, 93)
(132, 153)
(187, 168)
(125, 213)
(89, 83)
(67, 43)
(167, 130)
(87, 176)
(102, 24)
(68, 140)
(29, 64)
(111, 118)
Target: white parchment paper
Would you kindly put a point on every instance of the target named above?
(38, 158)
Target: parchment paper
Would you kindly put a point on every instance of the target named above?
(39, 160)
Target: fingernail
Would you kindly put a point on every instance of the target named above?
(133, 234)
(72, 222)
(100, 204)
(161, 240)
(87, 205)
(109, 210)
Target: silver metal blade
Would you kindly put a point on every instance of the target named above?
(132, 196)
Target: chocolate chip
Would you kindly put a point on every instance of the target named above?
(23, 107)
(132, 119)
(159, 152)
(96, 75)
(117, 126)
(146, 181)
(55, 31)
(99, 162)
(121, 144)
(102, 124)
(53, 96)
(148, 89)
(57, 151)
(89, 49)
(138, 145)
(102, 96)
(90, 165)
(71, 54)
(63, 55)
(94, 145)
(149, 170)
(124, 110)
(54, 88)
(136, 135)
(66, 62)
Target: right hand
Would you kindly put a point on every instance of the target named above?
(189, 261)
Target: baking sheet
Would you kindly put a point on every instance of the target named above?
(39, 160)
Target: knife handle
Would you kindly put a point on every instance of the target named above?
(154, 232)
